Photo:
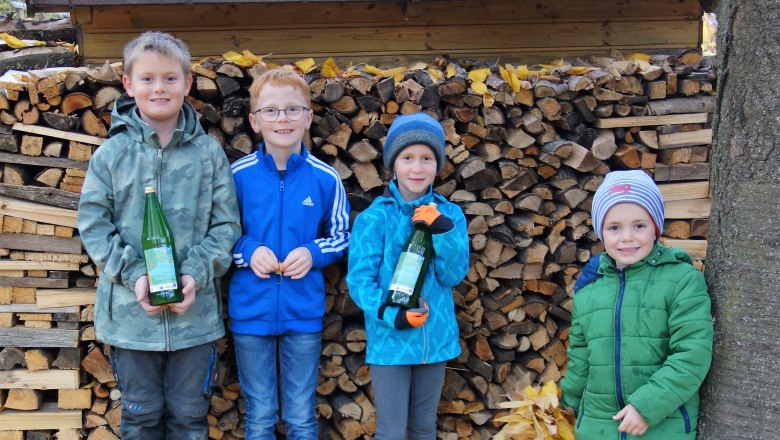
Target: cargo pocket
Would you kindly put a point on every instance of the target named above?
(211, 381)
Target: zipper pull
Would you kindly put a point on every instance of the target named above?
(281, 185)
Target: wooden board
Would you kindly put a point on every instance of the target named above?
(685, 191)
(697, 249)
(37, 211)
(687, 209)
(50, 283)
(39, 338)
(41, 243)
(36, 308)
(642, 121)
(46, 131)
(42, 161)
(37, 265)
(40, 380)
(64, 297)
(685, 139)
(47, 417)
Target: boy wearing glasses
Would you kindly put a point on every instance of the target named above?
(295, 221)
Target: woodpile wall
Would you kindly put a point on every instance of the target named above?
(526, 148)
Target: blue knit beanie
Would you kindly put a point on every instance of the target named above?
(632, 186)
(417, 128)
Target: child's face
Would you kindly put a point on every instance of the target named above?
(629, 233)
(283, 133)
(159, 85)
(415, 169)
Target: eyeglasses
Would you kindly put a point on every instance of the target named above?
(270, 114)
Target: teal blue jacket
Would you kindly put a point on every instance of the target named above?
(378, 235)
(639, 336)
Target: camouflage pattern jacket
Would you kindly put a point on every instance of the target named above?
(197, 194)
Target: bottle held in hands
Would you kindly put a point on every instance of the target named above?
(159, 253)
(412, 266)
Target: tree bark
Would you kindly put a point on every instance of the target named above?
(741, 397)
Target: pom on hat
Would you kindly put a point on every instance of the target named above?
(417, 128)
(632, 186)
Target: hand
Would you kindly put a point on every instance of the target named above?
(431, 216)
(264, 262)
(188, 291)
(142, 296)
(411, 318)
(633, 423)
(297, 264)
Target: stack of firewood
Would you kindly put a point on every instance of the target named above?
(526, 149)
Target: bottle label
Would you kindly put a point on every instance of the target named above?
(160, 268)
(405, 277)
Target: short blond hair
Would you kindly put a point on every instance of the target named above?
(160, 43)
(278, 78)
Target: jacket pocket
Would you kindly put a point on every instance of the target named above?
(581, 412)
(687, 418)
(110, 301)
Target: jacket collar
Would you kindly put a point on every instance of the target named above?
(393, 195)
(293, 162)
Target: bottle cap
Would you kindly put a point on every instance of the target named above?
(149, 189)
(433, 204)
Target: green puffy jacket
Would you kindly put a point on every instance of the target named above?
(197, 194)
(640, 336)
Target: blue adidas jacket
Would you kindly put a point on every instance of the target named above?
(379, 233)
(307, 208)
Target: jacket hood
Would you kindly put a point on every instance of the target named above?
(392, 195)
(603, 263)
(125, 118)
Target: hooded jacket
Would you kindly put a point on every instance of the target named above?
(639, 336)
(309, 208)
(196, 192)
(379, 234)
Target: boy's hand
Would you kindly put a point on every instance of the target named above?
(431, 216)
(297, 263)
(142, 296)
(263, 262)
(188, 291)
(633, 423)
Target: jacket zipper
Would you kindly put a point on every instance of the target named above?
(686, 418)
(281, 246)
(166, 323)
(618, 379)
(581, 412)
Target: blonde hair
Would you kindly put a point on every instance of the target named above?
(160, 43)
(278, 78)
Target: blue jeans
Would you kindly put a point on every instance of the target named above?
(298, 361)
(165, 394)
(406, 399)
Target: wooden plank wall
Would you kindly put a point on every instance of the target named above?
(393, 32)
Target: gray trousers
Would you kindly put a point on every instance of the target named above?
(165, 394)
(406, 399)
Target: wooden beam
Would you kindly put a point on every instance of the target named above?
(41, 243)
(40, 380)
(38, 212)
(46, 131)
(38, 338)
(681, 171)
(48, 416)
(64, 297)
(642, 121)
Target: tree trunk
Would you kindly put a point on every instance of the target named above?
(741, 397)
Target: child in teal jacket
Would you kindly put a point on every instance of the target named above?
(640, 343)
(407, 349)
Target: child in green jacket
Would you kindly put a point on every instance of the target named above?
(640, 343)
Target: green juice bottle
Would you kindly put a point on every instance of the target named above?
(159, 253)
(411, 268)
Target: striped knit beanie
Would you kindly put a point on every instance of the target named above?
(632, 186)
(417, 128)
